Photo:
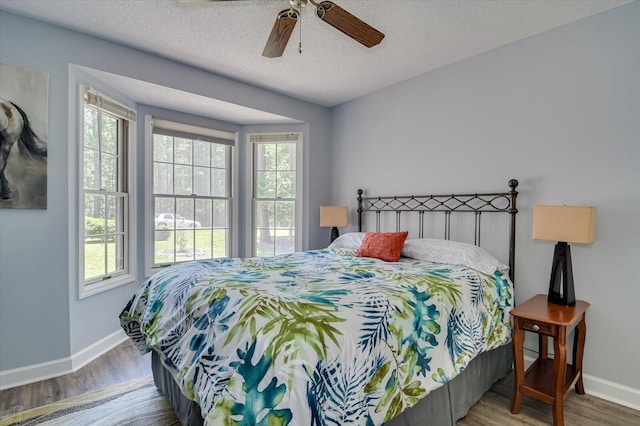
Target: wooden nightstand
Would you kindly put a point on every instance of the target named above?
(548, 379)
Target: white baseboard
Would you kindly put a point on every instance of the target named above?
(34, 373)
(614, 392)
(50, 369)
(101, 347)
(600, 388)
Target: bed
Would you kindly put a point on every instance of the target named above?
(342, 335)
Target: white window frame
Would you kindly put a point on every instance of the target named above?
(196, 133)
(275, 137)
(128, 274)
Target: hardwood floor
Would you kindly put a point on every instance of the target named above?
(579, 410)
(125, 363)
(121, 364)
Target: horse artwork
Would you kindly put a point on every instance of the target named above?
(15, 128)
(23, 137)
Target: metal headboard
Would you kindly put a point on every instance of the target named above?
(498, 202)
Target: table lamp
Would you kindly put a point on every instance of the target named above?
(334, 217)
(563, 224)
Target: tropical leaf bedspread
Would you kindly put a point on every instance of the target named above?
(316, 338)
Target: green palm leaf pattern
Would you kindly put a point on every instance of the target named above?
(293, 326)
(319, 337)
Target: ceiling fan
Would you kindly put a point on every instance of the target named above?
(327, 11)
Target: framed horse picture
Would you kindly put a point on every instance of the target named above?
(23, 137)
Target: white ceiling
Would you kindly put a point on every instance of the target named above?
(227, 38)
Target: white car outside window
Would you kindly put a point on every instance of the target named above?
(166, 220)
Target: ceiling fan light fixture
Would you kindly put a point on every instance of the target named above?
(298, 4)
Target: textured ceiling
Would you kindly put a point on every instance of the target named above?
(227, 37)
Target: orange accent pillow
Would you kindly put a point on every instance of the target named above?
(383, 245)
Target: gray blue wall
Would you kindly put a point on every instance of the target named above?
(41, 318)
(561, 113)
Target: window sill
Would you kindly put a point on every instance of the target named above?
(100, 287)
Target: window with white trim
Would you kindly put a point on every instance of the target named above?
(275, 193)
(192, 200)
(104, 198)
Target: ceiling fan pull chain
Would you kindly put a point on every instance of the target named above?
(300, 35)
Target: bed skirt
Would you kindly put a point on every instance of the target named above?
(443, 407)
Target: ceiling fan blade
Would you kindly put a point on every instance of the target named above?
(352, 26)
(280, 33)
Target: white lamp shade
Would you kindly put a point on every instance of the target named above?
(333, 216)
(570, 224)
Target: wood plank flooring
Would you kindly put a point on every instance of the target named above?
(125, 363)
(579, 410)
(121, 364)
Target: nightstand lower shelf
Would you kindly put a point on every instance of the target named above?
(539, 380)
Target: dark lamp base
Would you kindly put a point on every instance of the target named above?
(334, 233)
(561, 290)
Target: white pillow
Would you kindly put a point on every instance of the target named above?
(453, 253)
(350, 240)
